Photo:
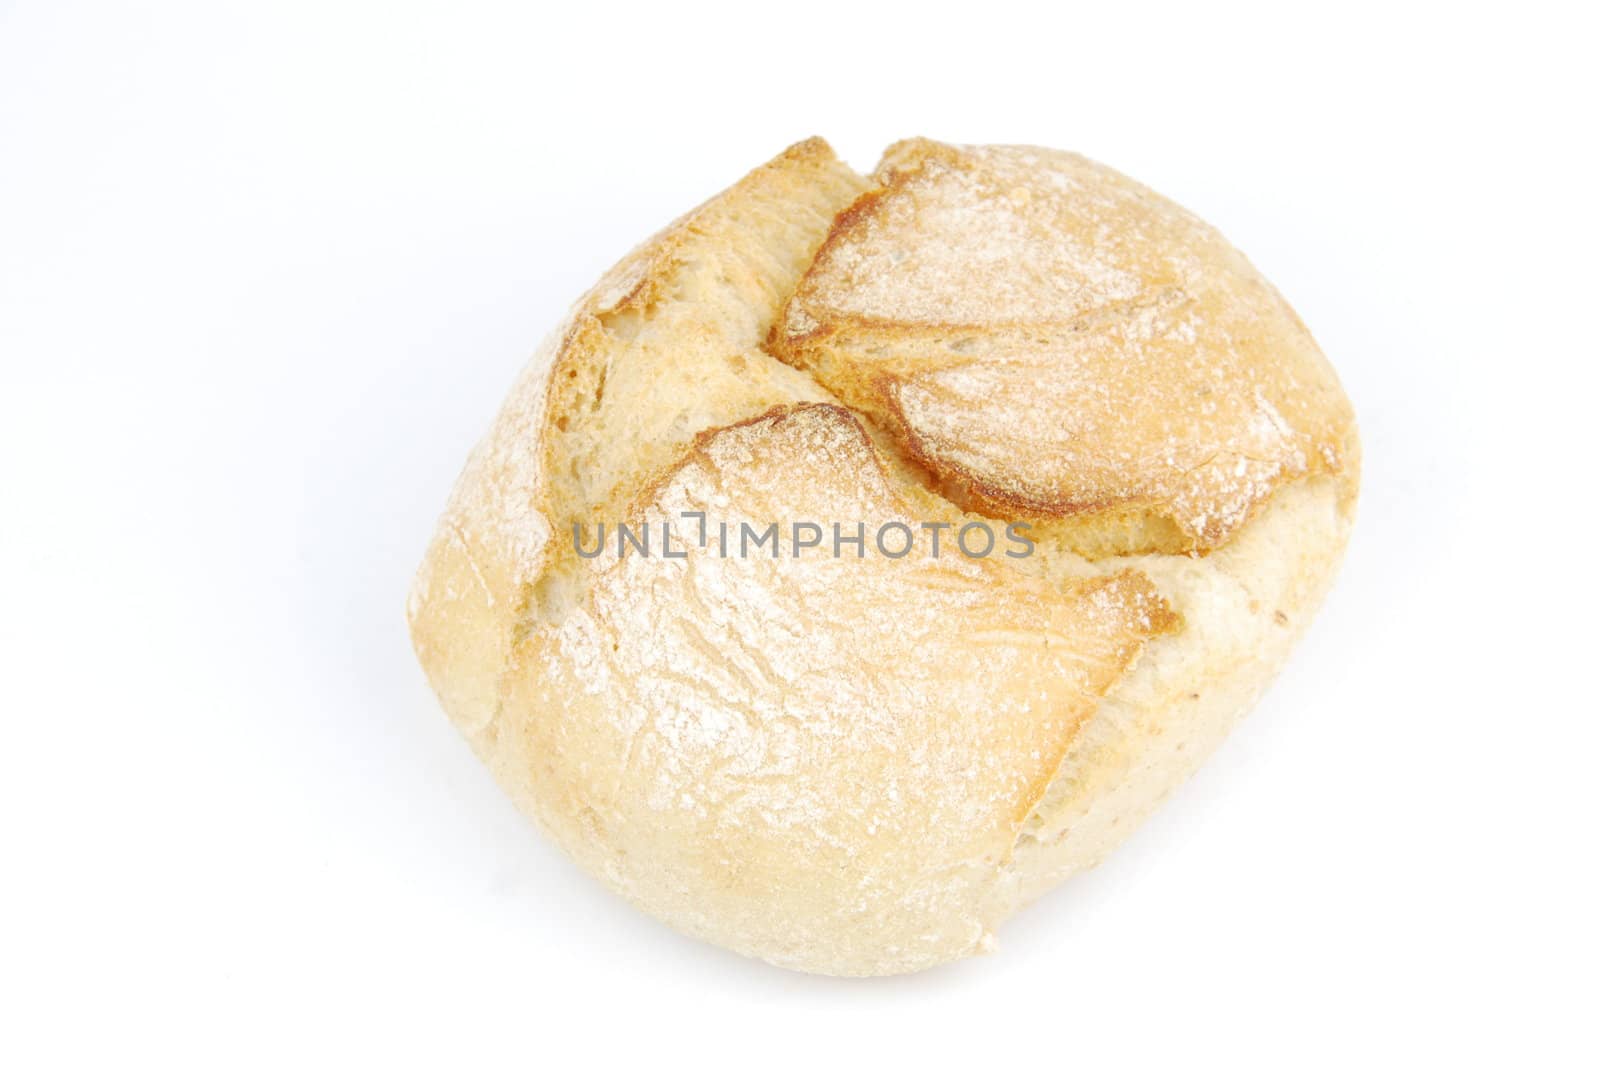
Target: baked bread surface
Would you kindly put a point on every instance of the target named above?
(861, 765)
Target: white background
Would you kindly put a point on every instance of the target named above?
(265, 273)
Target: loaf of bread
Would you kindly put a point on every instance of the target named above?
(850, 752)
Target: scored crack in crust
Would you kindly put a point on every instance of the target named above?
(861, 766)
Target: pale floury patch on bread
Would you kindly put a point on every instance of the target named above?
(863, 765)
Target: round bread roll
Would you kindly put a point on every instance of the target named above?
(834, 756)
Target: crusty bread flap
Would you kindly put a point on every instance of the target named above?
(1055, 341)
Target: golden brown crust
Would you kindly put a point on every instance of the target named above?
(1052, 341)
